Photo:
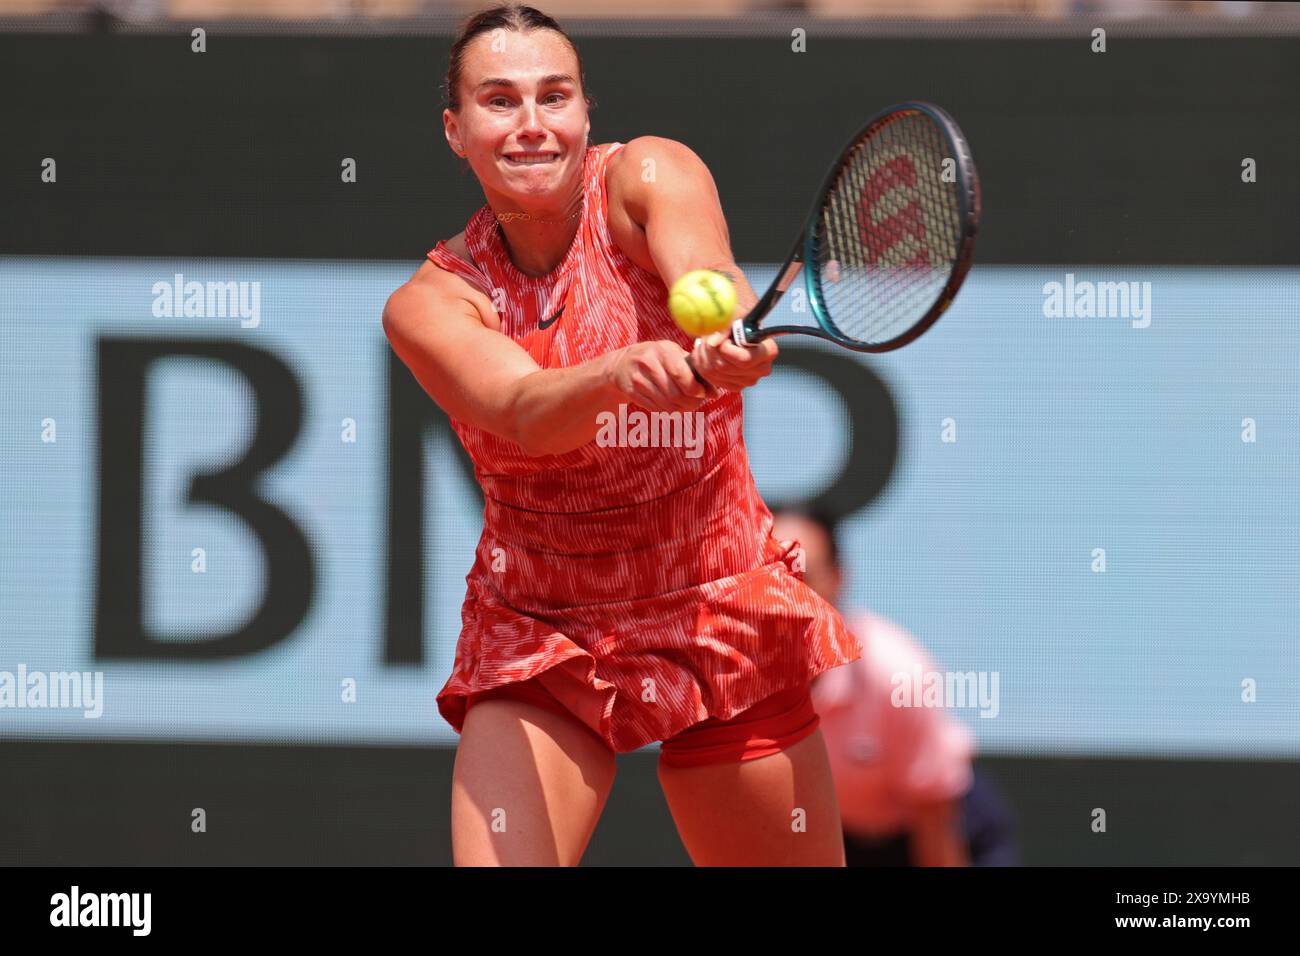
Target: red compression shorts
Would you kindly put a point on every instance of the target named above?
(770, 726)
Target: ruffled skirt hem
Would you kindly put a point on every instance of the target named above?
(657, 665)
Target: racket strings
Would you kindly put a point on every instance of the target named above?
(890, 231)
(893, 179)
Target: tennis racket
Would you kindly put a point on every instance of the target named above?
(889, 238)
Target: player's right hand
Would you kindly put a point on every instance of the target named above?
(655, 376)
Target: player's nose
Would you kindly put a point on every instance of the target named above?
(531, 122)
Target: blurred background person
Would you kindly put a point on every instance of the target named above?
(908, 791)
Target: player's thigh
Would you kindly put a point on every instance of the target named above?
(779, 810)
(527, 788)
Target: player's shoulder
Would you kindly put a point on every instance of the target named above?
(431, 286)
(431, 276)
(430, 279)
(645, 159)
(642, 162)
(657, 148)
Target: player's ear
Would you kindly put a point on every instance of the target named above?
(449, 131)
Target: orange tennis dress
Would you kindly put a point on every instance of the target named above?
(635, 580)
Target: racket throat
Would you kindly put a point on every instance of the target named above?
(744, 331)
(792, 271)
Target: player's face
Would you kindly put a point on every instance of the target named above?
(523, 122)
(820, 573)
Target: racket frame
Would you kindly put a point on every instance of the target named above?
(747, 330)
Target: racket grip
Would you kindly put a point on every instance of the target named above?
(698, 377)
(738, 335)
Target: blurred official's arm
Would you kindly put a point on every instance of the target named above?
(937, 837)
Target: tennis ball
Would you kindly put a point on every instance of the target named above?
(702, 301)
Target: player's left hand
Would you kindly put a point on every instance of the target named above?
(729, 366)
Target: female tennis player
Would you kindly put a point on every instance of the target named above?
(623, 591)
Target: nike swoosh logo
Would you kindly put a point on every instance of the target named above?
(547, 323)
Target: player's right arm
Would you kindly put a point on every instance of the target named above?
(445, 332)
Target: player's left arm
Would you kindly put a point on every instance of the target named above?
(678, 206)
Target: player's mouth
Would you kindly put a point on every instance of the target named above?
(531, 159)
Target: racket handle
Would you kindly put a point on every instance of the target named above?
(698, 377)
(739, 336)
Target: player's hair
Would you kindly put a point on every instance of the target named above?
(507, 16)
(824, 519)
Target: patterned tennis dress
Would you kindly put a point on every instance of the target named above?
(640, 585)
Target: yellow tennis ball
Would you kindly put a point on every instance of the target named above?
(702, 301)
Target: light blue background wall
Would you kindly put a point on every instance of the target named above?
(1072, 434)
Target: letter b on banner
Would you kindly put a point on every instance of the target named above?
(123, 367)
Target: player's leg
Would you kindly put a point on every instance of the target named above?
(528, 786)
(778, 810)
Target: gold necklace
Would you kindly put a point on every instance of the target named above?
(525, 217)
